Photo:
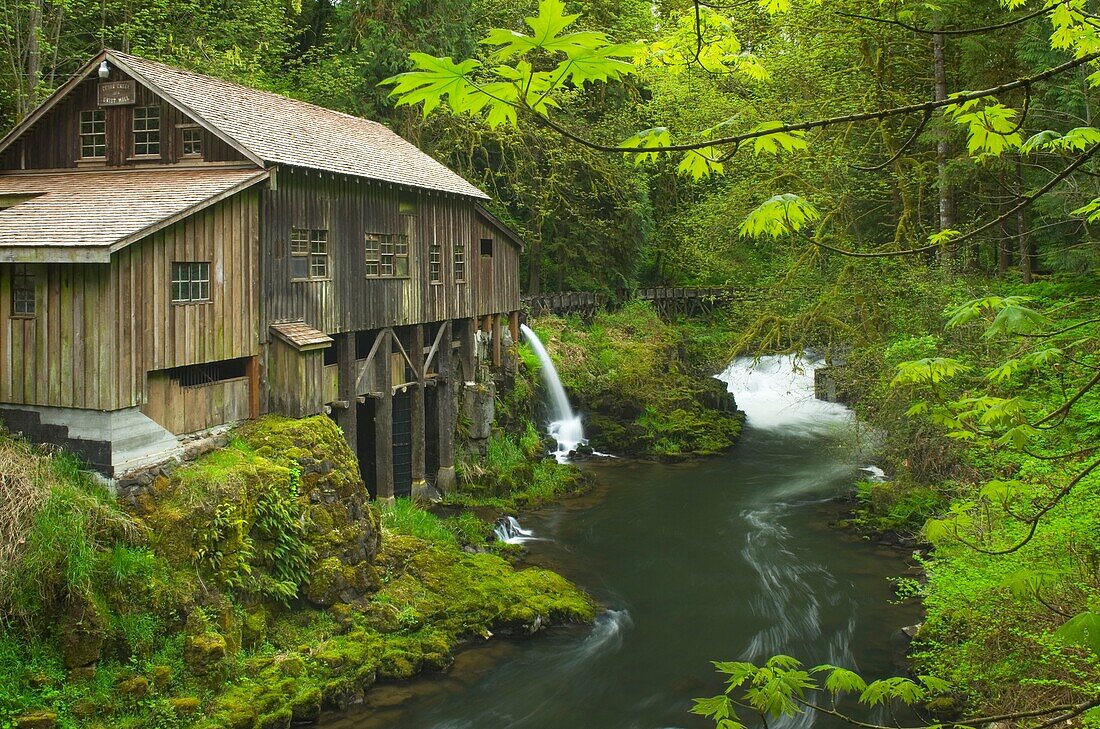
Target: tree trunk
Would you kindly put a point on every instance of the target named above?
(947, 202)
(1004, 241)
(1026, 263)
(34, 56)
(534, 266)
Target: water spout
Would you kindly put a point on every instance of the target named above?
(565, 426)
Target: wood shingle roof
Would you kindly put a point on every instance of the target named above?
(65, 217)
(280, 130)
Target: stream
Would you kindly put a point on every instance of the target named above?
(730, 558)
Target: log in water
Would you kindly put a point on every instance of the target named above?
(723, 559)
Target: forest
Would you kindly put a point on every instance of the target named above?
(907, 188)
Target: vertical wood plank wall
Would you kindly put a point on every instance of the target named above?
(54, 142)
(100, 327)
(347, 300)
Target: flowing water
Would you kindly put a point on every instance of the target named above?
(565, 426)
(721, 559)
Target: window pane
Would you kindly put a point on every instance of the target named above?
(190, 282)
(401, 266)
(147, 130)
(299, 242)
(299, 267)
(93, 136)
(192, 143)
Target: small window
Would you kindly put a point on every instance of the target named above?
(435, 262)
(190, 282)
(308, 253)
(147, 131)
(459, 261)
(372, 253)
(407, 204)
(93, 134)
(191, 142)
(487, 247)
(386, 255)
(22, 290)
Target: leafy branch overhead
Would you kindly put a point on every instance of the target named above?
(526, 76)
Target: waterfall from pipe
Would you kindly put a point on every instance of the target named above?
(565, 426)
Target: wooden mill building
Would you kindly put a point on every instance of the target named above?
(178, 252)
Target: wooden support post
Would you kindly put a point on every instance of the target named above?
(346, 372)
(498, 336)
(468, 350)
(444, 398)
(513, 326)
(253, 372)
(383, 425)
(416, 396)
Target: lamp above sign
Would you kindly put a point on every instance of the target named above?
(117, 93)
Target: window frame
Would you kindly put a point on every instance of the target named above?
(24, 272)
(390, 259)
(435, 262)
(151, 138)
(312, 245)
(194, 271)
(491, 247)
(458, 261)
(197, 151)
(101, 122)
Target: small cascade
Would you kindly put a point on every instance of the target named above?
(508, 530)
(777, 394)
(565, 427)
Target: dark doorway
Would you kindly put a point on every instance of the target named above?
(364, 450)
(402, 444)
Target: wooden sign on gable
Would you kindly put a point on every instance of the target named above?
(117, 93)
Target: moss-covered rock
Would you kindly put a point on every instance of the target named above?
(185, 705)
(82, 633)
(269, 512)
(205, 654)
(37, 720)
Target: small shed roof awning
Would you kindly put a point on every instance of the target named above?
(301, 336)
(84, 218)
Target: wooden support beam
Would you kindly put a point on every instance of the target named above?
(345, 388)
(253, 372)
(443, 326)
(467, 350)
(513, 326)
(383, 427)
(419, 445)
(446, 387)
(362, 381)
(498, 336)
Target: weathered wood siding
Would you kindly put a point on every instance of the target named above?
(297, 384)
(347, 301)
(197, 407)
(99, 328)
(54, 142)
(65, 355)
(497, 275)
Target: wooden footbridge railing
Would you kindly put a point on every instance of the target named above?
(667, 300)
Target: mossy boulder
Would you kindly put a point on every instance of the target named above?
(82, 633)
(133, 689)
(37, 720)
(205, 654)
(266, 514)
(185, 705)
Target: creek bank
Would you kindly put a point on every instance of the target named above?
(645, 390)
(250, 588)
